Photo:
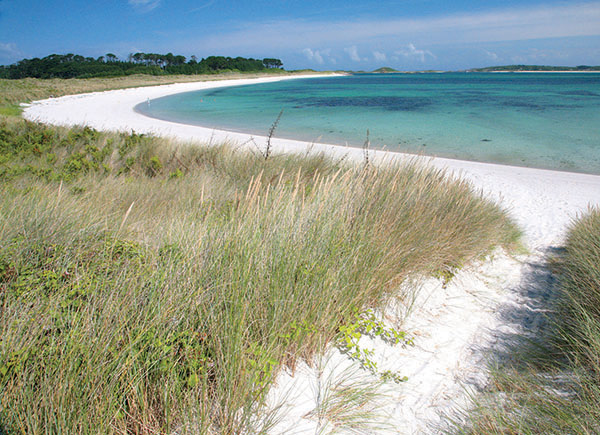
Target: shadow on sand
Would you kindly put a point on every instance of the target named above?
(527, 319)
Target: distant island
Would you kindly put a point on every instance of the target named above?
(536, 68)
(503, 68)
(389, 70)
(385, 70)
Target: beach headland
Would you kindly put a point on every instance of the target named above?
(452, 323)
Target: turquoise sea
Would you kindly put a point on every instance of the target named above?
(543, 120)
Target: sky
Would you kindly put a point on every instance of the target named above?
(318, 34)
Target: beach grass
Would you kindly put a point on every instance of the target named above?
(552, 384)
(149, 286)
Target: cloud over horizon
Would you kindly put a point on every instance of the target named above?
(353, 53)
(411, 51)
(379, 56)
(313, 55)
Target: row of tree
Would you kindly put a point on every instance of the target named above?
(109, 65)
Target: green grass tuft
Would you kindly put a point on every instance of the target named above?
(10, 110)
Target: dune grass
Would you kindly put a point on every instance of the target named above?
(157, 287)
(556, 388)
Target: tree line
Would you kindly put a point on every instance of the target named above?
(76, 66)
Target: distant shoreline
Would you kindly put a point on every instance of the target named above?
(542, 72)
(480, 72)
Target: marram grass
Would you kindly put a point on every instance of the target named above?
(150, 287)
(556, 389)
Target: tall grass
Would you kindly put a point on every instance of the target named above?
(154, 287)
(556, 389)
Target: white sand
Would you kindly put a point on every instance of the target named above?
(451, 326)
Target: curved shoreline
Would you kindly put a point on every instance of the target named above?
(542, 201)
(454, 323)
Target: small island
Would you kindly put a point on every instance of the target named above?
(385, 70)
(536, 68)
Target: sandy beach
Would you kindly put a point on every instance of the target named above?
(455, 328)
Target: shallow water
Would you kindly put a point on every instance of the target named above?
(543, 120)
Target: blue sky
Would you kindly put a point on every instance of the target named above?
(323, 34)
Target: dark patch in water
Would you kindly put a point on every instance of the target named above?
(396, 104)
(215, 92)
(524, 104)
(535, 105)
(486, 140)
(470, 100)
(580, 93)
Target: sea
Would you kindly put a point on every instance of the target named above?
(541, 120)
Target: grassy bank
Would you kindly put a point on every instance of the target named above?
(554, 387)
(153, 287)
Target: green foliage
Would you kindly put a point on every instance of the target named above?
(69, 66)
(10, 110)
(154, 166)
(367, 323)
(447, 273)
(176, 174)
(32, 149)
(272, 63)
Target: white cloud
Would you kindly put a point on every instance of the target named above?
(353, 53)
(491, 55)
(319, 56)
(411, 51)
(313, 55)
(9, 49)
(379, 56)
(144, 5)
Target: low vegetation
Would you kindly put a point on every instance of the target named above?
(156, 287)
(553, 384)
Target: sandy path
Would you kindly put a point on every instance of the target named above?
(452, 326)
